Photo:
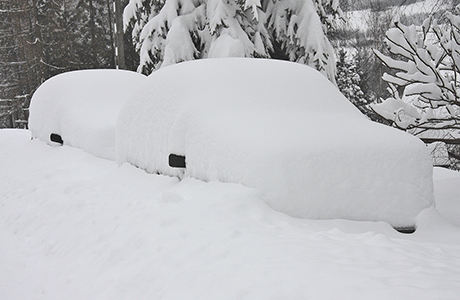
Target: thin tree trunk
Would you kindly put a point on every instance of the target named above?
(92, 28)
(112, 41)
(119, 38)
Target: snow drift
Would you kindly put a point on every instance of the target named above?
(75, 227)
(281, 128)
(82, 107)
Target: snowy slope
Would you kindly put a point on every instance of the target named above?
(356, 20)
(73, 226)
(82, 107)
(281, 128)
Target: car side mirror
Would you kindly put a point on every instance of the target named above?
(176, 161)
(56, 138)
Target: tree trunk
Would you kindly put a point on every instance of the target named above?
(92, 28)
(120, 49)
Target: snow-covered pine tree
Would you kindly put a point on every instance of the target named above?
(348, 80)
(297, 30)
(137, 13)
(190, 29)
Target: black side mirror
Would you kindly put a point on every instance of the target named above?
(56, 138)
(176, 161)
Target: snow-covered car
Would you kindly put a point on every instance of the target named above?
(80, 108)
(281, 128)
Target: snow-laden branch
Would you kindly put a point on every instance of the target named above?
(425, 65)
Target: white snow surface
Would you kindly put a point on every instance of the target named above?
(281, 128)
(402, 113)
(82, 107)
(74, 226)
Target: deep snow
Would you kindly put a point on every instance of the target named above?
(281, 128)
(73, 226)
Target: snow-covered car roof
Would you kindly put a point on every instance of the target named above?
(80, 108)
(281, 128)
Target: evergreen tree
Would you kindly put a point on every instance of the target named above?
(91, 35)
(177, 30)
(348, 80)
(20, 67)
(53, 35)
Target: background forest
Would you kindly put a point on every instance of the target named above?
(42, 38)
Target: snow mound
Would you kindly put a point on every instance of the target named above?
(82, 107)
(281, 128)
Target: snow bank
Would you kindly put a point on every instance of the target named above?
(447, 198)
(82, 107)
(74, 227)
(281, 128)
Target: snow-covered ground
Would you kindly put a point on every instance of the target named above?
(355, 20)
(73, 226)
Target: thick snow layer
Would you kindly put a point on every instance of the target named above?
(447, 199)
(73, 226)
(82, 107)
(281, 128)
(402, 113)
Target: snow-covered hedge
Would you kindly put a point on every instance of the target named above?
(82, 107)
(281, 128)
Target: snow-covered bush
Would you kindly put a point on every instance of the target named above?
(298, 140)
(171, 31)
(82, 107)
(425, 83)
